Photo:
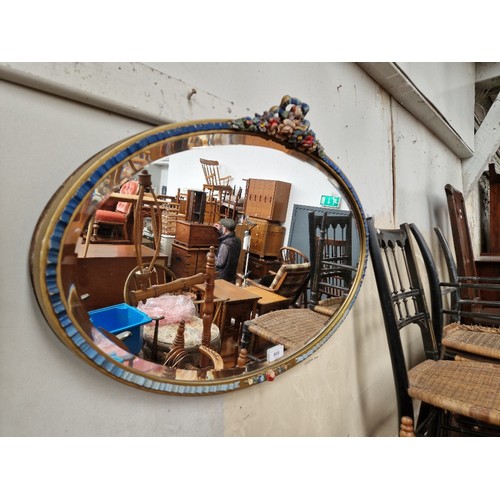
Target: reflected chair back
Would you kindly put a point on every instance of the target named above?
(330, 251)
(290, 280)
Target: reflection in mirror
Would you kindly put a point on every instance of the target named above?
(137, 259)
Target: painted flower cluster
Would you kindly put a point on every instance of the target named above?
(285, 122)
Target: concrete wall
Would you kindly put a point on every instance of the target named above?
(396, 165)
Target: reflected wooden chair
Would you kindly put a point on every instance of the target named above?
(231, 206)
(290, 281)
(472, 298)
(457, 340)
(290, 255)
(455, 396)
(212, 174)
(171, 213)
(217, 188)
(116, 219)
(330, 242)
(142, 279)
(207, 312)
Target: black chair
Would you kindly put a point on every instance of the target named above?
(455, 396)
(330, 251)
(470, 341)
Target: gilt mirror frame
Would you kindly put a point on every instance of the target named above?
(47, 257)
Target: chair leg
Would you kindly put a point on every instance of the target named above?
(406, 428)
(246, 337)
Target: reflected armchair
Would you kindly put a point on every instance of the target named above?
(290, 281)
(117, 219)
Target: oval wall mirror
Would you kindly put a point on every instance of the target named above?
(191, 333)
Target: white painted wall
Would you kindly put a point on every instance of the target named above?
(346, 389)
(447, 86)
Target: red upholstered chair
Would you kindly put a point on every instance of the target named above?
(117, 218)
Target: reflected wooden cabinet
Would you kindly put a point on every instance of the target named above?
(267, 238)
(267, 199)
(187, 261)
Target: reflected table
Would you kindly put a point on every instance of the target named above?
(239, 305)
(268, 301)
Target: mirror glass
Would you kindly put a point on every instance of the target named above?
(83, 269)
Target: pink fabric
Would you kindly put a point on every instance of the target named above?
(130, 187)
(174, 308)
(110, 217)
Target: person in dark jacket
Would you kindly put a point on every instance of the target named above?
(228, 251)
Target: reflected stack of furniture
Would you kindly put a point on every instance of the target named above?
(266, 205)
(190, 246)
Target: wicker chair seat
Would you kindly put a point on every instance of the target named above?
(466, 387)
(292, 328)
(478, 340)
(329, 306)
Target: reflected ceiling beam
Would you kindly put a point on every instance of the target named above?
(390, 77)
(134, 90)
(486, 144)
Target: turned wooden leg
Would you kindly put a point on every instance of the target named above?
(406, 429)
(179, 337)
(242, 358)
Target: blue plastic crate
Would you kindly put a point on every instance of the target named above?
(120, 318)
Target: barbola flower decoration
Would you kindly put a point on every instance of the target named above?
(285, 122)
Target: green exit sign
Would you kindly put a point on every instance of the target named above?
(330, 201)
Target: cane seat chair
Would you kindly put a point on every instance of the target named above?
(472, 297)
(292, 328)
(455, 396)
(465, 341)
